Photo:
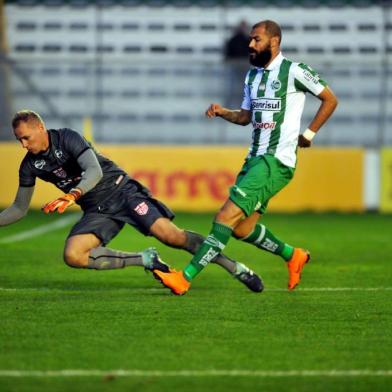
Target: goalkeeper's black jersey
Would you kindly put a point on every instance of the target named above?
(59, 166)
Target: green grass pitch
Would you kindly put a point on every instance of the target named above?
(55, 318)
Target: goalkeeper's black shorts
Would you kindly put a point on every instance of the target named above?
(137, 209)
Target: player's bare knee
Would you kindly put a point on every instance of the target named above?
(246, 226)
(240, 232)
(230, 214)
(73, 259)
(237, 233)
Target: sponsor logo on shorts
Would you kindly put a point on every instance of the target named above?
(142, 208)
(264, 125)
(39, 164)
(58, 154)
(267, 104)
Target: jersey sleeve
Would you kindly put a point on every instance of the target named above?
(246, 101)
(306, 79)
(26, 175)
(74, 143)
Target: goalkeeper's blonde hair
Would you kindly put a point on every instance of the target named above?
(26, 115)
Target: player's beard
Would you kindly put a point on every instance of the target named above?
(260, 59)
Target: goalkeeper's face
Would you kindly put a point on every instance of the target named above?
(33, 136)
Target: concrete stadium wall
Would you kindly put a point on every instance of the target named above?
(136, 69)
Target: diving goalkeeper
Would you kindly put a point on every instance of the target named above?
(108, 197)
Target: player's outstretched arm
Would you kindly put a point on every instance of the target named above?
(19, 207)
(240, 117)
(329, 102)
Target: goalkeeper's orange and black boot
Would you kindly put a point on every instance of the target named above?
(295, 265)
(174, 280)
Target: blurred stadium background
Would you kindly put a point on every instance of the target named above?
(136, 78)
(138, 75)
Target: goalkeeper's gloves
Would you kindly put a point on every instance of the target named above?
(62, 202)
(305, 140)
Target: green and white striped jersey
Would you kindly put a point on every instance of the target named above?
(276, 97)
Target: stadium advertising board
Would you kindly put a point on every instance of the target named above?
(197, 178)
(386, 180)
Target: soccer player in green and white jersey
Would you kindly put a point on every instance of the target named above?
(274, 98)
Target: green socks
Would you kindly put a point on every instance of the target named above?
(219, 237)
(211, 247)
(264, 239)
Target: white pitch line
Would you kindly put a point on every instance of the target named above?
(195, 373)
(58, 224)
(310, 289)
(335, 289)
(81, 289)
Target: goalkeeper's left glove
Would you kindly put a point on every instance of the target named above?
(62, 202)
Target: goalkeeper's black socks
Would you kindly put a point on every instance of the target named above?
(102, 258)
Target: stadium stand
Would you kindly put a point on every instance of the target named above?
(145, 71)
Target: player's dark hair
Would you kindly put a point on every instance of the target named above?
(271, 27)
(25, 116)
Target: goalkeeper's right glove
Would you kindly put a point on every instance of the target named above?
(63, 202)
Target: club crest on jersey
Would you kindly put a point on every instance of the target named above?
(276, 85)
(142, 208)
(39, 164)
(60, 172)
(58, 154)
